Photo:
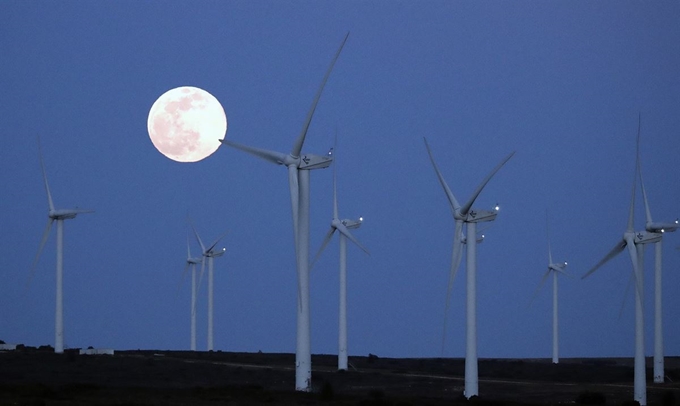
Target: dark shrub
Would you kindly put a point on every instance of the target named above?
(327, 393)
(668, 398)
(591, 398)
(376, 394)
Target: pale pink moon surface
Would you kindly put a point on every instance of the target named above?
(186, 123)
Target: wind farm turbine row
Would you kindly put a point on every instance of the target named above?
(635, 242)
(210, 253)
(632, 240)
(299, 166)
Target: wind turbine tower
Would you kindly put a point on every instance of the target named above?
(299, 165)
(553, 268)
(209, 253)
(658, 228)
(58, 215)
(343, 227)
(467, 215)
(192, 262)
(634, 242)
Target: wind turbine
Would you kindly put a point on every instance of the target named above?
(299, 166)
(192, 262)
(467, 215)
(58, 215)
(634, 242)
(553, 268)
(659, 228)
(209, 253)
(343, 227)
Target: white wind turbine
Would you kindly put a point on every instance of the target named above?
(634, 242)
(553, 268)
(299, 166)
(343, 227)
(209, 253)
(58, 215)
(661, 228)
(466, 214)
(192, 262)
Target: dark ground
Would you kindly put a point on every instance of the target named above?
(40, 377)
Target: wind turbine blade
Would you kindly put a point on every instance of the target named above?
(335, 194)
(198, 238)
(47, 187)
(486, 180)
(547, 232)
(326, 240)
(45, 236)
(297, 147)
(271, 156)
(184, 274)
(200, 276)
(294, 199)
(625, 295)
(540, 285)
(217, 240)
(648, 213)
(294, 186)
(188, 249)
(458, 250)
(632, 251)
(452, 199)
(620, 246)
(455, 263)
(630, 227)
(343, 229)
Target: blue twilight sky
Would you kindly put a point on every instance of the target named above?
(559, 82)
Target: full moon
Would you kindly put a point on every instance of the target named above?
(186, 123)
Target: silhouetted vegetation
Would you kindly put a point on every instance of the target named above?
(591, 398)
(668, 398)
(327, 393)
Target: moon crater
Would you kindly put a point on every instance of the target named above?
(186, 123)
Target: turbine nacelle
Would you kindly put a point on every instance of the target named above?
(311, 161)
(559, 267)
(215, 254)
(66, 214)
(480, 239)
(481, 216)
(352, 224)
(646, 237)
(662, 227)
